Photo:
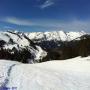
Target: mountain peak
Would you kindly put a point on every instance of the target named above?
(55, 35)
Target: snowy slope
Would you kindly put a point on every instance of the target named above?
(71, 74)
(55, 35)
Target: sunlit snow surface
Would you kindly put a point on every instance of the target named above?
(71, 74)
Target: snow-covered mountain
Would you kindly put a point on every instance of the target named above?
(14, 44)
(53, 39)
(36, 46)
(54, 35)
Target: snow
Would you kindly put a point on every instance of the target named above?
(4, 71)
(10, 46)
(4, 37)
(40, 36)
(63, 36)
(74, 35)
(55, 35)
(18, 41)
(38, 54)
(19, 38)
(71, 74)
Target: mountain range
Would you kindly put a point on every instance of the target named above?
(38, 46)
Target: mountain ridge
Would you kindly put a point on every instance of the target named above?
(55, 35)
(39, 46)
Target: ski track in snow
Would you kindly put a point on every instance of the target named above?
(8, 75)
(5, 71)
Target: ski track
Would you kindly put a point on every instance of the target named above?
(4, 85)
(5, 72)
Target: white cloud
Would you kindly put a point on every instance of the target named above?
(7, 27)
(73, 25)
(46, 4)
(25, 22)
(16, 21)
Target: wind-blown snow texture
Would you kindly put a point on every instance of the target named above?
(71, 74)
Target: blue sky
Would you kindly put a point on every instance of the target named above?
(45, 15)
